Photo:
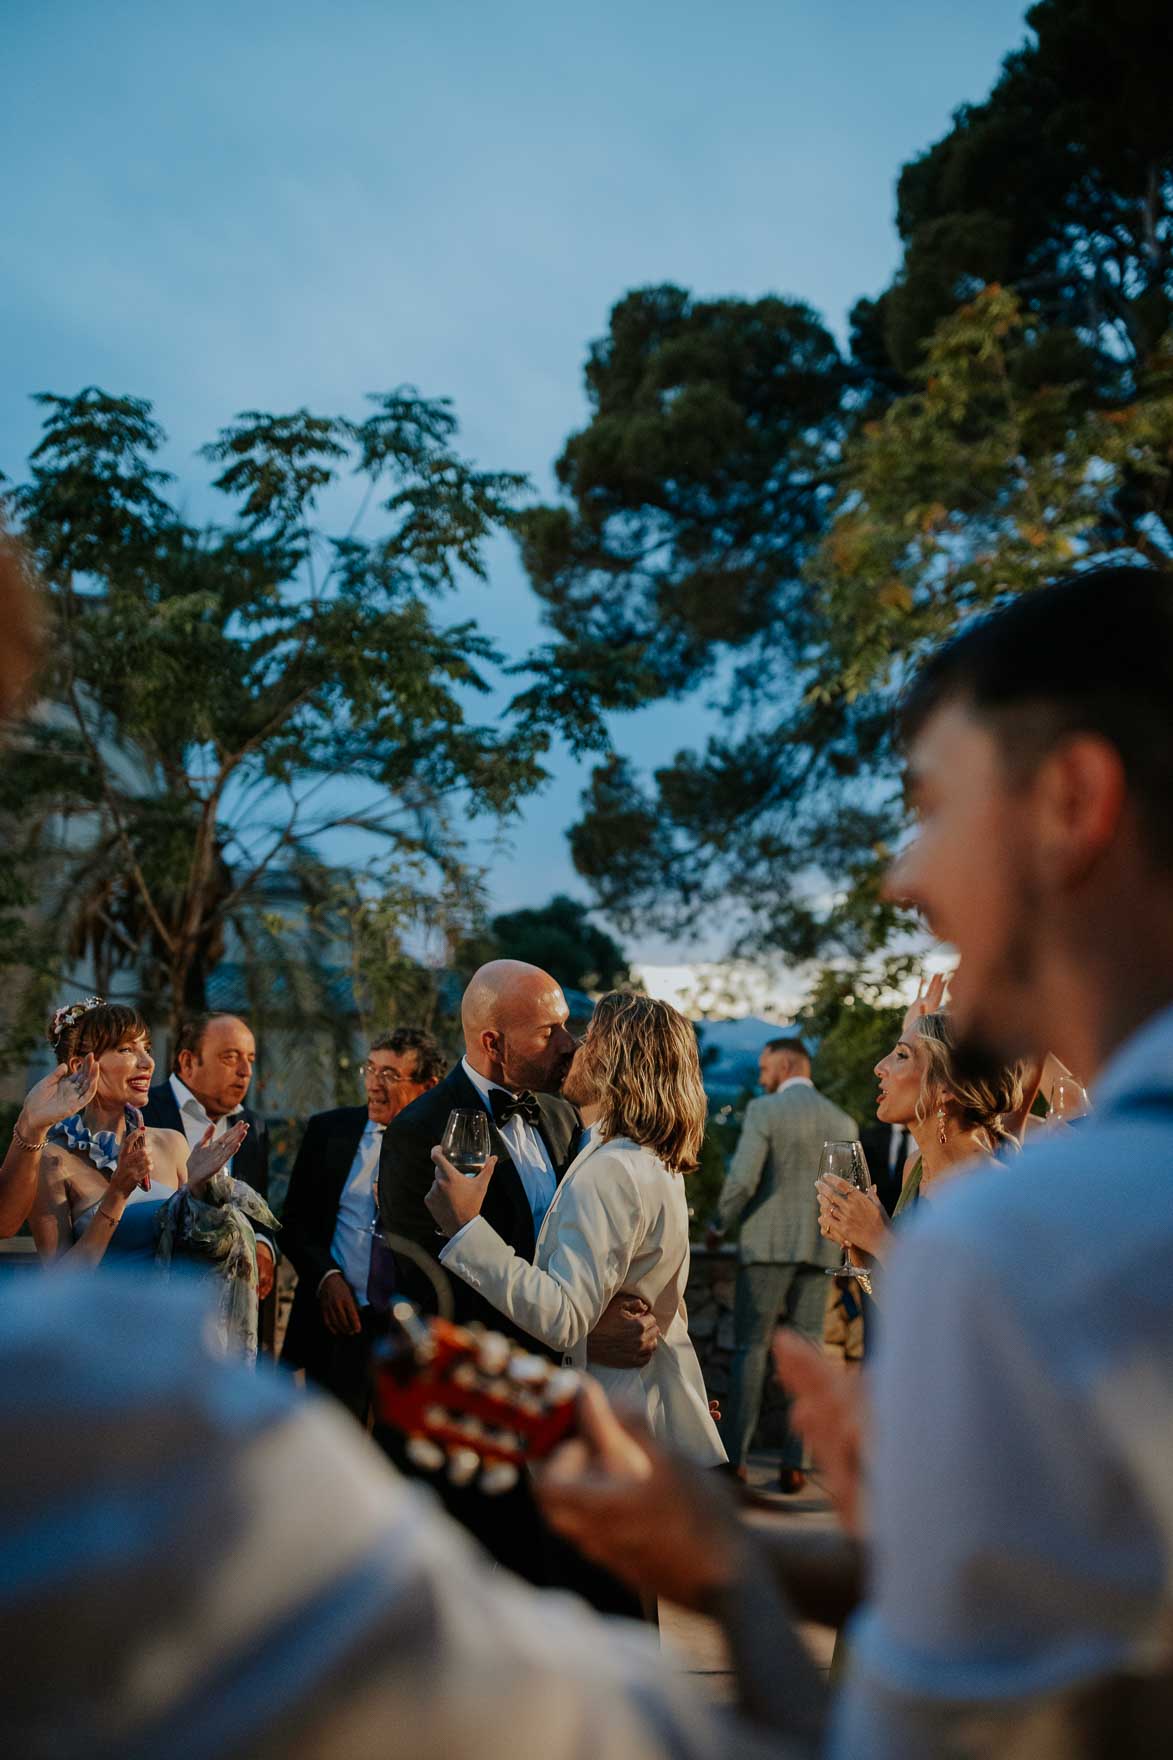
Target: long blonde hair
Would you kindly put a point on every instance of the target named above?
(983, 1104)
(644, 1067)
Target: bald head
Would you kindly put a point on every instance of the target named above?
(514, 1017)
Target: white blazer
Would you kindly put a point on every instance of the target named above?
(618, 1221)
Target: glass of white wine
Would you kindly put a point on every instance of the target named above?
(1069, 1101)
(466, 1141)
(847, 1161)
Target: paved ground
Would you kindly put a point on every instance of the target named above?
(698, 1642)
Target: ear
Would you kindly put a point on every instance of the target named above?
(183, 1064)
(1079, 798)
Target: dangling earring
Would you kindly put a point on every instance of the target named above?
(941, 1138)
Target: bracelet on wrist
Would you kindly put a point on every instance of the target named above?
(113, 1220)
(23, 1141)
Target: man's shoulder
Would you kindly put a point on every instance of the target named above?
(337, 1119)
(554, 1106)
(420, 1116)
(161, 1098)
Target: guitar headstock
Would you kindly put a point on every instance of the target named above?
(470, 1401)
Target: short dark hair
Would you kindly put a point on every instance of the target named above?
(431, 1062)
(1089, 654)
(792, 1043)
(100, 1027)
(190, 1036)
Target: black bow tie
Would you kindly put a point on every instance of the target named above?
(506, 1106)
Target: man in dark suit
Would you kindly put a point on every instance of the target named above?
(887, 1147)
(211, 1072)
(517, 1051)
(330, 1212)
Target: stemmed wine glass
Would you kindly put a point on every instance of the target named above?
(1069, 1101)
(466, 1141)
(846, 1161)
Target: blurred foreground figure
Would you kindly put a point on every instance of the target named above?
(198, 1562)
(1019, 1501)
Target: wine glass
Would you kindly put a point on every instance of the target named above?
(466, 1141)
(847, 1161)
(1069, 1101)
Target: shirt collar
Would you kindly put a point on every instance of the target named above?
(482, 1084)
(187, 1101)
(794, 1082)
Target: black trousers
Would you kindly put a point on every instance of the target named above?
(342, 1366)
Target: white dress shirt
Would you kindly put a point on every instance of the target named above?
(195, 1119)
(357, 1210)
(526, 1150)
(1021, 1490)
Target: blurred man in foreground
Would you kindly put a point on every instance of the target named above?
(1020, 1494)
(201, 1561)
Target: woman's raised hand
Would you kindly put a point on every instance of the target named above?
(135, 1165)
(57, 1096)
(930, 999)
(208, 1157)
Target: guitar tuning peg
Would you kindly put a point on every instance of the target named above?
(493, 1354)
(425, 1454)
(462, 1465)
(498, 1478)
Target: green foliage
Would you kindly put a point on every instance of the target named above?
(750, 511)
(220, 699)
(559, 938)
(852, 1020)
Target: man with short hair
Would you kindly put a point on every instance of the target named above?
(517, 1052)
(211, 1072)
(1019, 1499)
(781, 1276)
(330, 1214)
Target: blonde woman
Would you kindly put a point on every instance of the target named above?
(618, 1220)
(955, 1121)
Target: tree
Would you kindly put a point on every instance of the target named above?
(558, 937)
(1059, 185)
(986, 434)
(220, 699)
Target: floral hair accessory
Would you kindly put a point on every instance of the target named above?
(72, 1012)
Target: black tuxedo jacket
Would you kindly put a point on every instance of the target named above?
(308, 1220)
(251, 1161)
(405, 1176)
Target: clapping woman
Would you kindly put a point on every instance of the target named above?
(109, 1188)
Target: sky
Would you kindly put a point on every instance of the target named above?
(250, 205)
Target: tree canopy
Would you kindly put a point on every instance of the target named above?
(559, 938)
(750, 511)
(219, 698)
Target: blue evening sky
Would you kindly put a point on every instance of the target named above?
(253, 205)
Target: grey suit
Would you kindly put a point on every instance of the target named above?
(784, 1258)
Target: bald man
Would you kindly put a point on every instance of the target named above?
(517, 1051)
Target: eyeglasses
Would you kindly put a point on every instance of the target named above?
(386, 1077)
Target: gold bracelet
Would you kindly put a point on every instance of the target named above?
(112, 1220)
(24, 1142)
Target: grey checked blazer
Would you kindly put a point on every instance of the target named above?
(771, 1179)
